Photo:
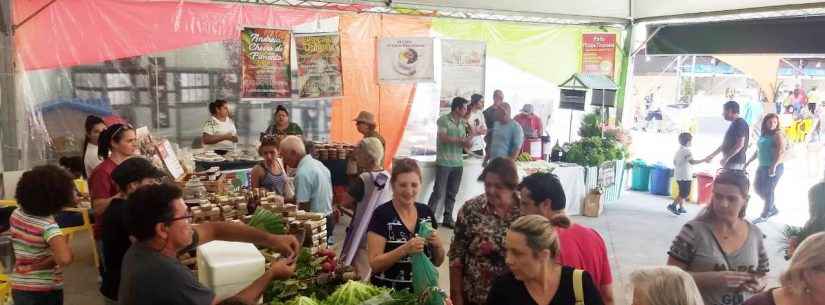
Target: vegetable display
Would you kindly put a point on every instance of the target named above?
(355, 293)
(265, 220)
(316, 275)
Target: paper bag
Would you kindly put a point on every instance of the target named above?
(593, 204)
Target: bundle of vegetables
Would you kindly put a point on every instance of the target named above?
(356, 293)
(265, 220)
(302, 300)
(316, 275)
(424, 273)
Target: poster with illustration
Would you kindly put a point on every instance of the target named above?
(405, 60)
(462, 70)
(598, 54)
(265, 63)
(319, 65)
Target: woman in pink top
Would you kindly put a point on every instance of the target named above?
(581, 247)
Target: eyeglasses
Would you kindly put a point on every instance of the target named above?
(188, 217)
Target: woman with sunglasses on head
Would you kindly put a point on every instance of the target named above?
(269, 174)
(116, 144)
(723, 252)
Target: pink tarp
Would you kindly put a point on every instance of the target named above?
(73, 32)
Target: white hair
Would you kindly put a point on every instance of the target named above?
(373, 148)
(666, 285)
(293, 144)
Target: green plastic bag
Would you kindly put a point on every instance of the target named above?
(424, 273)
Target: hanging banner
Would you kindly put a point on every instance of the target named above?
(319, 65)
(462, 70)
(405, 60)
(265, 63)
(598, 54)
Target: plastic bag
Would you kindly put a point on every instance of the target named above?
(424, 273)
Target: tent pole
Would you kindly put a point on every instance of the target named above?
(623, 74)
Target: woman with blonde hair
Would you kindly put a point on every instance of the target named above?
(804, 281)
(537, 277)
(664, 285)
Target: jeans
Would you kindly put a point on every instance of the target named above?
(54, 297)
(766, 186)
(447, 181)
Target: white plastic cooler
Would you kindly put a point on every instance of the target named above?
(229, 267)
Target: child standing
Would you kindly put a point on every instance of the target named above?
(683, 173)
(40, 248)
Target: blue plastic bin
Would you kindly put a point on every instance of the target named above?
(660, 180)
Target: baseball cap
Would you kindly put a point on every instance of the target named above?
(135, 169)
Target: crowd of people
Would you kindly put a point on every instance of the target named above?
(513, 244)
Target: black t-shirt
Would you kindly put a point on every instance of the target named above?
(509, 290)
(490, 118)
(356, 189)
(115, 244)
(386, 222)
(738, 128)
(149, 277)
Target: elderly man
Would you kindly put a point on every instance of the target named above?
(313, 185)
(581, 247)
(159, 221)
(507, 136)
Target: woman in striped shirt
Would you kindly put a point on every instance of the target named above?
(40, 248)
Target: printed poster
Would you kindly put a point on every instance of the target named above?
(462, 70)
(405, 60)
(319, 65)
(265, 63)
(599, 54)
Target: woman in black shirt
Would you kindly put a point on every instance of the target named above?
(537, 278)
(392, 231)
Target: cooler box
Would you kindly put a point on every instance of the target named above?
(229, 267)
(660, 180)
(641, 176)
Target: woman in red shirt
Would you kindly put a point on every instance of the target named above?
(581, 247)
(120, 141)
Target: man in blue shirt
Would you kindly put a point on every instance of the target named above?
(313, 185)
(507, 136)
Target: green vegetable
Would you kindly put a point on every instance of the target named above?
(302, 300)
(265, 220)
(354, 293)
(402, 297)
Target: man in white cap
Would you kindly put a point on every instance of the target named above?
(530, 125)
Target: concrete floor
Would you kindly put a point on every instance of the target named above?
(637, 229)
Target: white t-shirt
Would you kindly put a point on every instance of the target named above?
(215, 127)
(683, 170)
(91, 160)
(477, 123)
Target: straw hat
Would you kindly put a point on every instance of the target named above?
(365, 117)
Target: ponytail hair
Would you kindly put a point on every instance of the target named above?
(540, 232)
(91, 122)
(561, 220)
(113, 133)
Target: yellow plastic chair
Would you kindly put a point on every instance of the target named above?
(5, 289)
(70, 231)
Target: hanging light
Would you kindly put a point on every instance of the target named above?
(647, 58)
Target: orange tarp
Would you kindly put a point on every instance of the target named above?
(390, 102)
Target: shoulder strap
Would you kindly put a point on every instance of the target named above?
(578, 287)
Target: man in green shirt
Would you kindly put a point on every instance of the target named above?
(452, 139)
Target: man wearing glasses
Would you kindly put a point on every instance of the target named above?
(159, 221)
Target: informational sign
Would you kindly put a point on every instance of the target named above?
(599, 54)
(170, 159)
(265, 63)
(319, 65)
(462, 70)
(405, 60)
(607, 174)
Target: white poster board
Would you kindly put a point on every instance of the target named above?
(462, 70)
(405, 60)
(170, 159)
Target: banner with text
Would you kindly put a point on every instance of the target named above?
(598, 54)
(265, 63)
(462, 70)
(319, 65)
(405, 60)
